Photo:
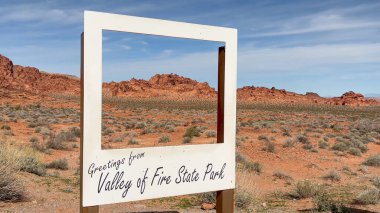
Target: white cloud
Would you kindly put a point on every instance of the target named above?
(301, 59)
(39, 13)
(329, 20)
(126, 47)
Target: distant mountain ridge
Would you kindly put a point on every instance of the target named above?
(171, 86)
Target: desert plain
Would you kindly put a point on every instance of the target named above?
(294, 152)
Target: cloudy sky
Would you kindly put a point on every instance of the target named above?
(327, 47)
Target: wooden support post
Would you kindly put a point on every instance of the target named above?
(91, 209)
(224, 198)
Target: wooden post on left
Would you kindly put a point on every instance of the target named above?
(90, 209)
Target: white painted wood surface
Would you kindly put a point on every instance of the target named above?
(170, 158)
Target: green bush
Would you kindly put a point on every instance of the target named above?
(263, 138)
(282, 175)
(340, 146)
(369, 196)
(11, 188)
(323, 144)
(288, 143)
(332, 175)
(207, 197)
(305, 189)
(326, 203)
(253, 166)
(164, 139)
(355, 151)
(187, 140)
(133, 141)
(376, 182)
(210, 133)
(373, 160)
(6, 127)
(32, 165)
(303, 139)
(243, 199)
(192, 132)
(61, 164)
(269, 146)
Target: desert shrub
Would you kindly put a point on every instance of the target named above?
(305, 189)
(373, 160)
(107, 130)
(211, 133)
(75, 131)
(308, 146)
(187, 140)
(303, 139)
(132, 141)
(43, 130)
(239, 158)
(286, 131)
(140, 125)
(376, 182)
(369, 196)
(269, 146)
(363, 168)
(355, 151)
(263, 138)
(326, 203)
(248, 165)
(39, 146)
(66, 135)
(347, 170)
(288, 143)
(323, 144)
(32, 165)
(54, 142)
(148, 130)
(340, 146)
(243, 199)
(11, 188)
(6, 127)
(170, 128)
(34, 139)
(61, 164)
(358, 144)
(118, 139)
(164, 139)
(253, 166)
(129, 125)
(333, 175)
(130, 134)
(207, 197)
(282, 175)
(192, 131)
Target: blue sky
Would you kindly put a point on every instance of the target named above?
(327, 47)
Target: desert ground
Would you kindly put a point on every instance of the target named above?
(293, 152)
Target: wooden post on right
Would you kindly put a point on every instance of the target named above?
(224, 198)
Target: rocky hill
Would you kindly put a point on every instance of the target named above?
(31, 79)
(171, 86)
(164, 85)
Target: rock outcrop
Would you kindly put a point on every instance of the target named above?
(171, 86)
(32, 80)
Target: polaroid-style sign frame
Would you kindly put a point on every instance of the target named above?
(221, 156)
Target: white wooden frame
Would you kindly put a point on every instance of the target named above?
(169, 157)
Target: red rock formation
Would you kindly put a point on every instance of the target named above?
(32, 80)
(160, 85)
(171, 86)
(352, 99)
